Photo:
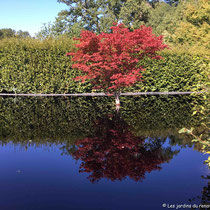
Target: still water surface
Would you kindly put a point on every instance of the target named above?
(77, 153)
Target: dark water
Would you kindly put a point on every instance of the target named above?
(77, 153)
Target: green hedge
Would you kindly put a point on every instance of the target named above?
(175, 72)
(33, 66)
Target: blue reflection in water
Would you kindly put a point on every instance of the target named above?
(40, 178)
(43, 174)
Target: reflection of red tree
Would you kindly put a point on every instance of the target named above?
(115, 153)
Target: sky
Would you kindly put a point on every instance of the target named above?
(28, 15)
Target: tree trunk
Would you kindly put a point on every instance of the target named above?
(117, 98)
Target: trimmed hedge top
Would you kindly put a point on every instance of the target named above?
(34, 66)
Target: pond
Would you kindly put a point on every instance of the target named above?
(79, 153)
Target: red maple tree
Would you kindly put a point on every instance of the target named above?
(110, 60)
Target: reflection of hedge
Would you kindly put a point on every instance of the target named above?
(57, 120)
(53, 119)
(159, 115)
(32, 66)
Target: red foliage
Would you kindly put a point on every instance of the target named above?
(115, 153)
(109, 60)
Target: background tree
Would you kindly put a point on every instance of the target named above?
(135, 13)
(22, 34)
(195, 27)
(164, 18)
(87, 13)
(58, 28)
(7, 33)
(98, 15)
